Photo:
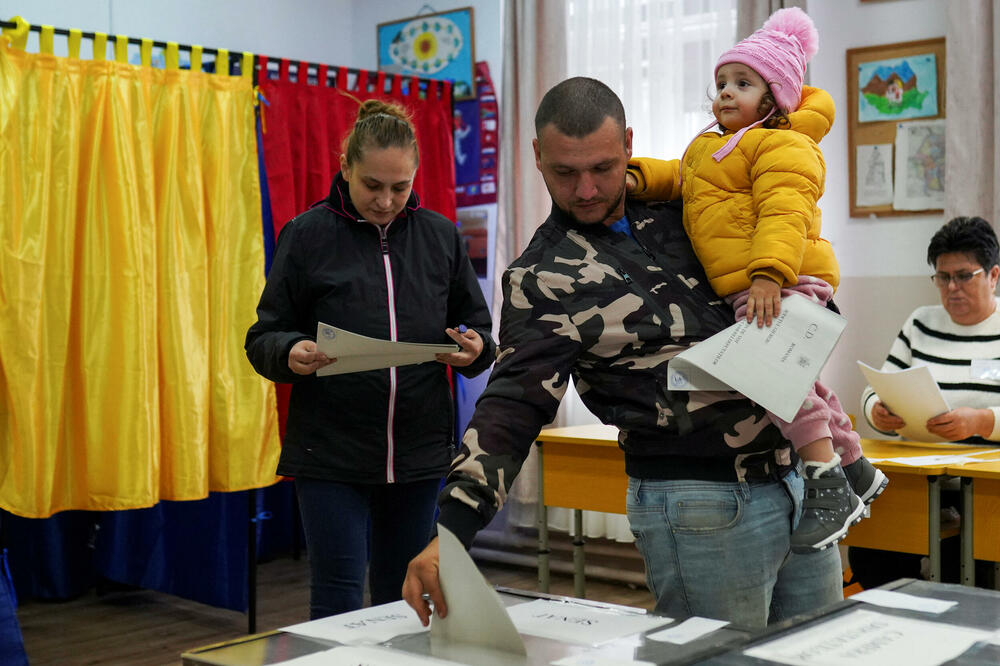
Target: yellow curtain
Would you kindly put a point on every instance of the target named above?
(130, 266)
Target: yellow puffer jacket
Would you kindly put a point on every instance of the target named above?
(754, 213)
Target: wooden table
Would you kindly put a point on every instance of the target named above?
(980, 514)
(582, 468)
(579, 468)
(907, 516)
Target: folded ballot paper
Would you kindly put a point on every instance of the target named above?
(913, 395)
(476, 614)
(774, 366)
(355, 353)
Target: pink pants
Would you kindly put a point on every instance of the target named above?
(821, 414)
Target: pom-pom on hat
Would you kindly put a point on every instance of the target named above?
(779, 52)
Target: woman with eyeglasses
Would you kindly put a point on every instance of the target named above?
(959, 340)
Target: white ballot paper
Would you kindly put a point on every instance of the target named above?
(913, 395)
(588, 659)
(866, 638)
(364, 656)
(476, 614)
(355, 353)
(578, 623)
(923, 461)
(688, 630)
(891, 599)
(774, 366)
(368, 625)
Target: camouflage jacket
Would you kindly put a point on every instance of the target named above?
(585, 301)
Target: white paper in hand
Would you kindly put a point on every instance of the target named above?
(774, 366)
(476, 614)
(913, 395)
(356, 353)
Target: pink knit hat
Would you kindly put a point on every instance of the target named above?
(779, 52)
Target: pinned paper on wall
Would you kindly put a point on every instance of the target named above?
(874, 174)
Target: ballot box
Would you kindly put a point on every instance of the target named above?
(631, 629)
(923, 623)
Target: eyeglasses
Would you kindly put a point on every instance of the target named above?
(960, 278)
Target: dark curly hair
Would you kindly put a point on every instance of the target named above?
(972, 236)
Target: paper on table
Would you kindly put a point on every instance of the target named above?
(866, 638)
(589, 659)
(369, 656)
(774, 366)
(577, 623)
(368, 625)
(688, 630)
(921, 461)
(355, 353)
(913, 395)
(891, 599)
(476, 615)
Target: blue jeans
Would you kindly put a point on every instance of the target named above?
(345, 523)
(720, 550)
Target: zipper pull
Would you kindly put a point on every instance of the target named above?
(626, 276)
(383, 240)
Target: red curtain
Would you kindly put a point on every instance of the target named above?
(304, 125)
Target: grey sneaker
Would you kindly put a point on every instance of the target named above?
(828, 508)
(867, 480)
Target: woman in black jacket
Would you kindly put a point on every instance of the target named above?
(368, 449)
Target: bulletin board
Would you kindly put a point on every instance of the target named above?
(895, 131)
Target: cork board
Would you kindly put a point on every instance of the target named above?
(892, 89)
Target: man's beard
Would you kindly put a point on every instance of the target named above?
(607, 213)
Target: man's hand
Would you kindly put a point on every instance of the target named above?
(961, 423)
(421, 578)
(469, 341)
(884, 419)
(303, 359)
(764, 301)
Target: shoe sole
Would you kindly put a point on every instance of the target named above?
(875, 489)
(831, 540)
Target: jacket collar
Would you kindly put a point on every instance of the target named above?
(565, 220)
(339, 201)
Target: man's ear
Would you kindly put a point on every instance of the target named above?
(628, 143)
(538, 154)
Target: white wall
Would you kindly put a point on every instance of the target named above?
(312, 30)
(882, 260)
(876, 246)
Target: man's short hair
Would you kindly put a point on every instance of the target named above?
(972, 236)
(578, 106)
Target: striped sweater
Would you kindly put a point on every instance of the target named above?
(951, 351)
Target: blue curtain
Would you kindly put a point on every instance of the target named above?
(196, 550)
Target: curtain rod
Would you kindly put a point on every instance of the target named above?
(187, 47)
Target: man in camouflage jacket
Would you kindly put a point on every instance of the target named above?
(607, 292)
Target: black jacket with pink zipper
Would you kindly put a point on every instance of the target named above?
(406, 281)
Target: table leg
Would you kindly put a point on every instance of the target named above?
(542, 523)
(968, 571)
(934, 526)
(578, 562)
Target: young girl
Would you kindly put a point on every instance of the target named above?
(750, 208)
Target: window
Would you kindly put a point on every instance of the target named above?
(659, 56)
